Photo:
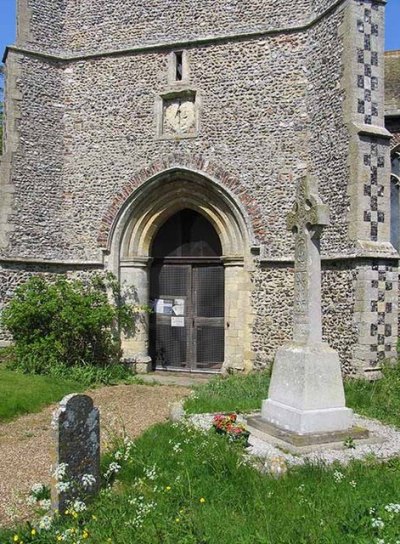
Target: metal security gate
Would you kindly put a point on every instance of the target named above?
(187, 295)
(187, 323)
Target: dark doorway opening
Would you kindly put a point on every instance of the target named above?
(187, 295)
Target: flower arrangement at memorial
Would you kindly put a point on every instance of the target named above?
(227, 424)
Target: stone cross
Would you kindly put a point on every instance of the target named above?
(76, 424)
(306, 220)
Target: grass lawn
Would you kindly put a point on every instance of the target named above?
(181, 486)
(22, 393)
(236, 393)
(379, 399)
(177, 485)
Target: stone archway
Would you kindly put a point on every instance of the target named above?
(135, 227)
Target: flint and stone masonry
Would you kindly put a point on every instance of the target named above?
(118, 114)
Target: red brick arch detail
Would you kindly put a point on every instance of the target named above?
(195, 163)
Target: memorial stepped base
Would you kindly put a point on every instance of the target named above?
(302, 443)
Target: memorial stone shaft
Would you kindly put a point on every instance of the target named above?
(306, 220)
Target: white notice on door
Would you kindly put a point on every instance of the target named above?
(159, 306)
(177, 321)
(163, 306)
(178, 310)
(179, 306)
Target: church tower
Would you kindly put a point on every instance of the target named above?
(164, 141)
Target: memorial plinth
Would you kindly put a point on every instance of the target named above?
(306, 392)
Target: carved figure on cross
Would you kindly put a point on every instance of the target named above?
(306, 220)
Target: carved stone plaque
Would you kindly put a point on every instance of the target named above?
(179, 116)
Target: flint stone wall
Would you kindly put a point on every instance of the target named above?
(86, 127)
(110, 24)
(273, 308)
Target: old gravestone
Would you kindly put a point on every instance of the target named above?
(76, 424)
(306, 393)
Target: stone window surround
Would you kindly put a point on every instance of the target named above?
(172, 68)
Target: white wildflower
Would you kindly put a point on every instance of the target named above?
(141, 510)
(31, 500)
(377, 523)
(88, 480)
(118, 455)
(177, 448)
(78, 506)
(45, 523)
(353, 483)
(392, 507)
(45, 504)
(60, 471)
(338, 476)
(63, 486)
(37, 488)
(151, 473)
(113, 468)
(129, 445)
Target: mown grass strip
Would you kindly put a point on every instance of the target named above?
(238, 393)
(23, 393)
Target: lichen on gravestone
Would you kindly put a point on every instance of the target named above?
(76, 467)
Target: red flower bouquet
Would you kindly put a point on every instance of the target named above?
(227, 424)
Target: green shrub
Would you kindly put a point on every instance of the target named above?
(67, 323)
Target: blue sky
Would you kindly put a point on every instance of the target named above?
(7, 24)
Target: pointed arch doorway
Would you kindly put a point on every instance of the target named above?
(187, 294)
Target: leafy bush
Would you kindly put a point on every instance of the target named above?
(67, 323)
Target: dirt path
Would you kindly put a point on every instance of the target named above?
(25, 444)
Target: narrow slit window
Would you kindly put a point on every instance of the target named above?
(178, 65)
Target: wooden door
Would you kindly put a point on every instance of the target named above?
(187, 323)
